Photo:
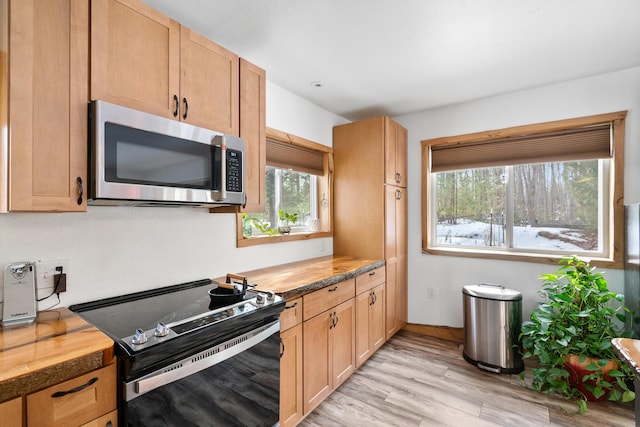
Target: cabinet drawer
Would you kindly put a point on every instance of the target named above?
(323, 299)
(109, 420)
(368, 280)
(292, 314)
(76, 401)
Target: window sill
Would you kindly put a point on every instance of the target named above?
(521, 256)
(262, 240)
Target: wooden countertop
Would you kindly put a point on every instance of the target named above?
(629, 351)
(59, 345)
(298, 278)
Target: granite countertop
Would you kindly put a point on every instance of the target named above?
(58, 346)
(298, 278)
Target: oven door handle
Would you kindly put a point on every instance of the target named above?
(198, 362)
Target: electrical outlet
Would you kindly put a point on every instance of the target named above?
(45, 275)
(431, 293)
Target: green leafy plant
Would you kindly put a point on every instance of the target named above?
(579, 317)
(287, 217)
(264, 227)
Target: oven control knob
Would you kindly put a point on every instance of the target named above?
(139, 338)
(259, 299)
(271, 296)
(161, 330)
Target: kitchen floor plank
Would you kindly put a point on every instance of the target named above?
(415, 380)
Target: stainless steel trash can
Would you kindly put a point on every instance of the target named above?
(492, 319)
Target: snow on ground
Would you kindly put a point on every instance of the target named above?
(475, 233)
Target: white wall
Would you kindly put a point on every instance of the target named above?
(447, 275)
(116, 250)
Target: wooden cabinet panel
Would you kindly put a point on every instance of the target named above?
(343, 342)
(11, 413)
(291, 409)
(144, 60)
(76, 401)
(323, 299)
(316, 360)
(253, 83)
(395, 153)
(358, 154)
(48, 51)
(377, 335)
(370, 321)
(371, 170)
(134, 56)
(395, 221)
(391, 311)
(209, 84)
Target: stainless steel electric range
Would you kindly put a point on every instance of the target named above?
(190, 357)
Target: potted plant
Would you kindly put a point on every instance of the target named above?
(286, 218)
(570, 335)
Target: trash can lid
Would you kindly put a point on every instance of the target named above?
(492, 291)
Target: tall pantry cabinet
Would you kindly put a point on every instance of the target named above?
(370, 212)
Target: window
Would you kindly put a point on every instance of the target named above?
(537, 192)
(297, 192)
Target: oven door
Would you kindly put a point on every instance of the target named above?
(236, 383)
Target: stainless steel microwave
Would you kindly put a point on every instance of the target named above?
(139, 159)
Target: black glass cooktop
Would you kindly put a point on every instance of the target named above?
(121, 316)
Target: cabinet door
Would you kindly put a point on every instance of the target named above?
(11, 413)
(402, 292)
(48, 75)
(343, 342)
(209, 84)
(135, 56)
(395, 240)
(376, 318)
(395, 147)
(363, 331)
(391, 310)
(253, 130)
(401, 155)
(316, 360)
(291, 376)
(370, 332)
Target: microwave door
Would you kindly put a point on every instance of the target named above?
(220, 194)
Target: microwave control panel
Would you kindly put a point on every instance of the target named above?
(234, 170)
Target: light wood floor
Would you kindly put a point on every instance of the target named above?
(422, 381)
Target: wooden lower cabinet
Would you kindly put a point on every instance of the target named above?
(326, 335)
(75, 402)
(11, 413)
(291, 409)
(370, 331)
(328, 351)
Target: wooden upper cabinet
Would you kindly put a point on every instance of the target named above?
(144, 60)
(48, 94)
(135, 57)
(395, 153)
(209, 85)
(253, 82)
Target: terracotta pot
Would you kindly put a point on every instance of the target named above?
(577, 371)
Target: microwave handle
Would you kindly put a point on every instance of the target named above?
(219, 141)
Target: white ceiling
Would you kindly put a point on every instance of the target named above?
(395, 57)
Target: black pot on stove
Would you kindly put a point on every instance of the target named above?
(227, 293)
